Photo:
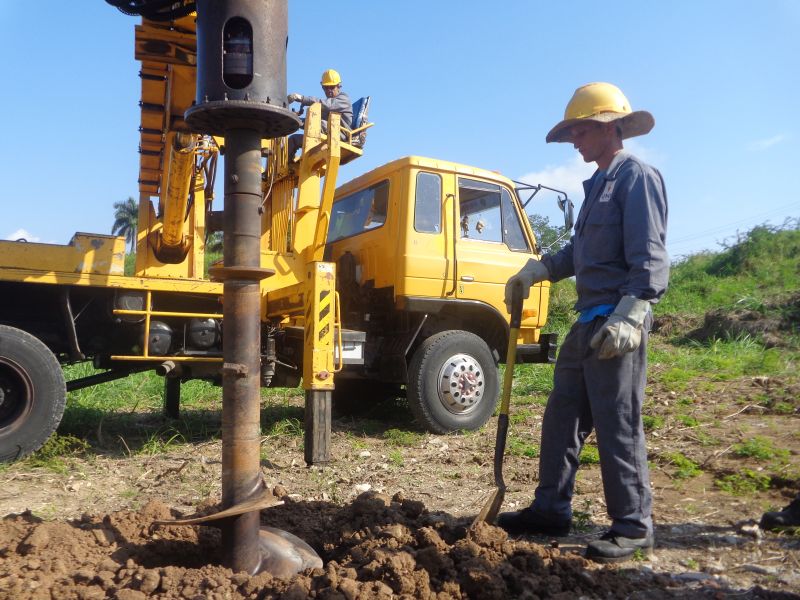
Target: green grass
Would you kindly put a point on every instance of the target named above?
(531, 380)
(652, 422)
(130, 263)
(759, 448)
(400, 437)
(687, 420)
(125, 416)
(691, 564)
(522, 446)
(57, 451)
(357, 442)
(589, 455)
(582, 519)
(396, 458)
(743, 483)
(161, 441)
(639, 555)
(284, 427)
(684, 467)
(560, 314)
(520, 416)
(705, 439)
(719, 360)
(758, 265)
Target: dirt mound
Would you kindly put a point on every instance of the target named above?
(769, 323)
(669, 325)
(376, 547)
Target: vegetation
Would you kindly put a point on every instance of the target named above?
(683, 466)
(590, 455)
(743, 483)
(760, 448)
(126, 217)
(57, 451)
(522, 445)
(751, 270)
(549, 237)
(399, 437)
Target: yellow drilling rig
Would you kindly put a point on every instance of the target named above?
(423, 248)
(72, 303)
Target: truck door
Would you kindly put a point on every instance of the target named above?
(490, 245)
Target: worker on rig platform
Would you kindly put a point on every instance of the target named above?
(335, 101)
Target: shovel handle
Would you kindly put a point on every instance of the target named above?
(511, 354)
(516, 305)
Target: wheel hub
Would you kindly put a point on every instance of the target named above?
(16, 393)
(461, 384)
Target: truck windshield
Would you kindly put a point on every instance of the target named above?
(359, 211)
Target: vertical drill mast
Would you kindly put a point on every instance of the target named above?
(241, 94)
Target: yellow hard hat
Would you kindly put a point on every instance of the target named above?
(604, 103)
(330, 77)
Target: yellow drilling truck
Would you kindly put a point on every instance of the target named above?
(391, 284)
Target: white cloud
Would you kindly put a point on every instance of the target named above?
(760, 145)
(569, 177)
(566, 177)
(648, 155)
(22, 233)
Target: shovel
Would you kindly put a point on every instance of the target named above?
(489, 511)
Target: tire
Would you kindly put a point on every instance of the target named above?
(453, 383)
(32, 393)
(358, 396)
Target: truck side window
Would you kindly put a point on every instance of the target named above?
(428, 203)
(512, 228)
(479, 206)
(360, 211)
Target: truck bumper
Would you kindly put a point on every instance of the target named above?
(543, 352)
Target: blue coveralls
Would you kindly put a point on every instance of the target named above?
(618, 249)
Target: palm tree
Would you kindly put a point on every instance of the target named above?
(126, 217)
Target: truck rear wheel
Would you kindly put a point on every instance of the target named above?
(453, 382)
(32, 393)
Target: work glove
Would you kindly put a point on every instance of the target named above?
(294, 98)
(534, 271)
(622, 331)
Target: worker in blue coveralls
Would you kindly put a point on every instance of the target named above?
(618, 257)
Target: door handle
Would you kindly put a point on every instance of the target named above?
(467, 278)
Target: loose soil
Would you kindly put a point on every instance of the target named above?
(769, 324)
(390, 515)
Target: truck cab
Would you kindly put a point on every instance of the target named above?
(424, 249)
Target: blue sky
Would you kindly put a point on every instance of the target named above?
(469, 81)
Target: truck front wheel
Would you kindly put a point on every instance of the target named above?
(32, 393)
(452, 382)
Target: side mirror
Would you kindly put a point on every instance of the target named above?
(566, 206)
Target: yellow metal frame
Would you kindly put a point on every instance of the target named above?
(148, 313)
(350, 133)
(338, 325)
(319, 325)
